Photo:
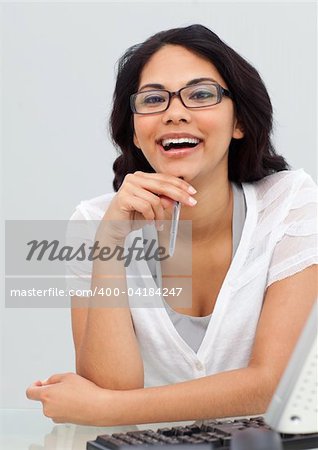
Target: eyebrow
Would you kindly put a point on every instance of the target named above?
(189, 83)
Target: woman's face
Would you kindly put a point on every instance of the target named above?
(173, 67)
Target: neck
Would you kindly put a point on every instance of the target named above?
(212, 216)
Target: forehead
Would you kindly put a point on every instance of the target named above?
(173, 66)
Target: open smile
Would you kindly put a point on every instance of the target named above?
(177, 146)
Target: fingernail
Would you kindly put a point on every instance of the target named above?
(192, 201)
(191, 190)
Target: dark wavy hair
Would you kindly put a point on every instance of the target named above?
(250, 158)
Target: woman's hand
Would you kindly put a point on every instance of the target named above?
(71, 398)
(144, 196)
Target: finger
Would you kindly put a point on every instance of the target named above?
(37, 383)
(177, 181)
(172, 188)
(34, 392)
(152, 199)
(56, 378)
(141, 206)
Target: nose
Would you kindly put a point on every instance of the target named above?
(176, 112)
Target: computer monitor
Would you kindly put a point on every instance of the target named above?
(294, 406)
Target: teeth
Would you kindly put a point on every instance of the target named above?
(166, 142)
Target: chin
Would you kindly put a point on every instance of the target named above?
(180, 170)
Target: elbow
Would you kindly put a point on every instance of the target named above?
(260, 401)
(80, 368)
(269, 391)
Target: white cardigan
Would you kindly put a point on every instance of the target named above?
(279, 239)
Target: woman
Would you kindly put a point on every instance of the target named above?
(193, 122)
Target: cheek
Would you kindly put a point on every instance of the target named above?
(220, 125)
(145, 128)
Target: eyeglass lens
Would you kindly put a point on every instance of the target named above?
(192, 97)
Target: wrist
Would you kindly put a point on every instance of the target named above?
(107, 240)
(112, 232)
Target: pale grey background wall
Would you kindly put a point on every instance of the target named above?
(57, 79)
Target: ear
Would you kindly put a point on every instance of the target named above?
(238, 130)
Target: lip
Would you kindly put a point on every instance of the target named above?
(179, 153)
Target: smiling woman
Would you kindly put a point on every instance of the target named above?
(200, 135)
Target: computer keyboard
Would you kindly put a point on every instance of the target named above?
(214, 434)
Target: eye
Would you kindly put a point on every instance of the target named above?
(153, 99)
(202, 94)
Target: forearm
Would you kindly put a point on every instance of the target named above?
(234, 393)
(109, 354)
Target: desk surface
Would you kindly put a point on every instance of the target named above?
(28, 429)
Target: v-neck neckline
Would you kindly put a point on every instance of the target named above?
(223, 297)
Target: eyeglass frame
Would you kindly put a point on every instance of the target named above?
(221, 91)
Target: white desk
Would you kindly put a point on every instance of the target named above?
(28, 429)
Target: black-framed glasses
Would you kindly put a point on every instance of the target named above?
(196, 96)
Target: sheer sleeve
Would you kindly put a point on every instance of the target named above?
(80, 234)
(298, 246)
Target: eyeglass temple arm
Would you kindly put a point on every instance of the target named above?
(226, 92)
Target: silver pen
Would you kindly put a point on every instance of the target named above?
(174, 226)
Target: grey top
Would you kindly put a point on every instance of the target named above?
(192, 329)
